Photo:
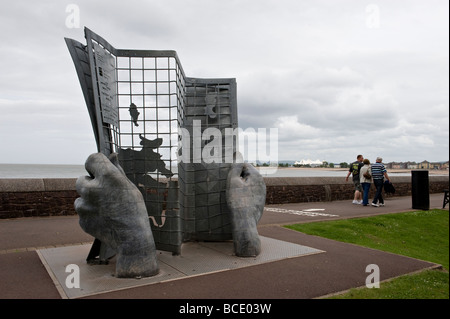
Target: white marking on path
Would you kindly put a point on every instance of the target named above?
(312, 212)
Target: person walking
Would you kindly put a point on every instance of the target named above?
(354, 169)
(366, 180)
(378, 174)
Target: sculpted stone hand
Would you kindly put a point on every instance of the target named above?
(112, 209)
(246, 196)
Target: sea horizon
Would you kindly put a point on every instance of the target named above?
(17, 171)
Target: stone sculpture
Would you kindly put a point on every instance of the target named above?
(112, 209)
(246, 196)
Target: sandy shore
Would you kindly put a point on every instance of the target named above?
(431, 171)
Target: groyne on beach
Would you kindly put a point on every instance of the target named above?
(38, 197)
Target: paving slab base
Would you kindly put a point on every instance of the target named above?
(197, 258)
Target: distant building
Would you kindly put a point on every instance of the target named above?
(412, 165)
(439, 165)
(433, 165)
(308, 162)
(396, 165)
(424, 165)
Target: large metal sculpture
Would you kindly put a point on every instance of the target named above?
(153, 128)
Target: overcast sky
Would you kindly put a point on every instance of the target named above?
(337, 78)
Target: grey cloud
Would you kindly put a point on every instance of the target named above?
(315, 61)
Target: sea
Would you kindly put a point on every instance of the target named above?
(41, 171)
(75, 171)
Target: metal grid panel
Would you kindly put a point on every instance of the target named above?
(149, 91)
(153, 99)
(210, 103)
(149, 98)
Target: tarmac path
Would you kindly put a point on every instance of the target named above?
(341, 267)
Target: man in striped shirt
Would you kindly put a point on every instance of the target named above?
(378, 174)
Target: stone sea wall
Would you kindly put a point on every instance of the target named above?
(55, 197)
(317, 189)
(37, 197)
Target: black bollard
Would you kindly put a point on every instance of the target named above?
(420, 189)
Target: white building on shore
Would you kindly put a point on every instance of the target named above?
(308, 162)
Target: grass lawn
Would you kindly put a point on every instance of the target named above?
(419, 234)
